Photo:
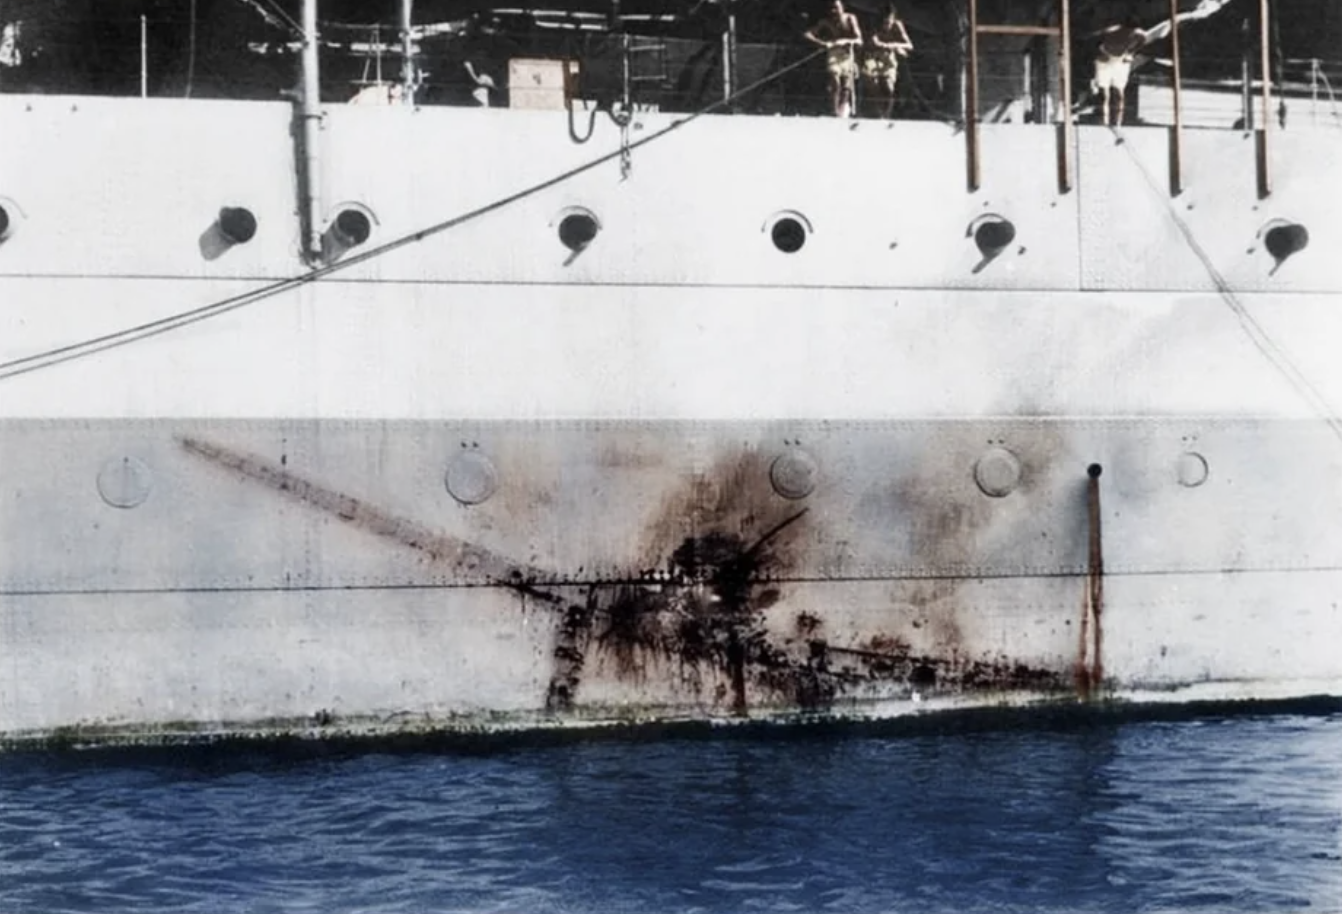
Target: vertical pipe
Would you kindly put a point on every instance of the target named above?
(1027, 84)
(727, 74)
(377, 57)
(1265, 64)
(310, 115)
(972, 98)
(407, 53)
(731, 50)
(1246, 77)
(1176, 148)
(144, 57)
(1089, 666)
(726, 68)
(1065, 64)
(626, 72)
(1095, 579)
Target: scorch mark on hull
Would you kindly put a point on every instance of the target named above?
(709, 607)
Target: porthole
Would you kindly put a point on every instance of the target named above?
(237, 224)
(1192, 469)
(788, 235)
(793, 474)
(124, 482)
(352, 227)
(1283, 238)
(991, 234)
(577, 228)
(471, 477)
(10, 217)
(997, 472)
(788, 231)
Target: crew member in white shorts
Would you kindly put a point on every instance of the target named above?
(1113, 64)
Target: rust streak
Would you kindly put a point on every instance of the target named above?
(1083, 649)
(736, 665)
(1090, 664)
(1096, 577)
(570, 655)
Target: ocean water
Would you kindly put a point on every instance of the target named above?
(1240, 813)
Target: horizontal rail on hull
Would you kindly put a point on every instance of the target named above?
(652, 581)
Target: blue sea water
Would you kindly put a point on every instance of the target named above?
(1236, 813)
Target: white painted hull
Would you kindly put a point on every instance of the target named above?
(252, 524)
(322, 571)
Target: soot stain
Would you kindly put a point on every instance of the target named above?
(892, 660)
(708, 609)
(713, 574)
(570, 656)
(807, 623)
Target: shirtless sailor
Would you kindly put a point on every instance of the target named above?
(840, 34)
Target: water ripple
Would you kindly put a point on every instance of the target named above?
(1242, 814)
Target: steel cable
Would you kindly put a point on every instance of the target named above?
(1262, 341)
(93, 345)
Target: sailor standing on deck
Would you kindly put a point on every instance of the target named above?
(841, 35)
(1113, 63)
(880, 63)
(1119, 45)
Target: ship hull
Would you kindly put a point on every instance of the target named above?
(485, 477)
(186, 579)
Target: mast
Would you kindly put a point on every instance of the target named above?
(729, 75)
(407, 53)
(310, 115)
(144, 57)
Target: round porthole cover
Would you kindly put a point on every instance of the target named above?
(471, 478)
(1193, 469)
(124, 482)
(793, 475)
(997, 472)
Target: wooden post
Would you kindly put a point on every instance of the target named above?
(407, 54)
(1176, 140)
(1265, 65)
(972, 98)
(1065, 65)
(144, 57)
(310, 116)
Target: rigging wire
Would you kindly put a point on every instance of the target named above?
(284, 14)
(1329, 87)
(274, 15)
(284, 19)
(56, 356)
(1262, 341)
